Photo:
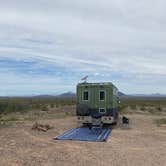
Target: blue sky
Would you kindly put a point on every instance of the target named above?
(46, 47)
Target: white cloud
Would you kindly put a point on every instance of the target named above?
(96, 37)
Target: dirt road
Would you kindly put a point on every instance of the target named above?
(143, 144)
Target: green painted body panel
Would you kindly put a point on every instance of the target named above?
(111, 100)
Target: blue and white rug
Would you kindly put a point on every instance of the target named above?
(85, 134)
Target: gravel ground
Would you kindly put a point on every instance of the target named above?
(142, 144)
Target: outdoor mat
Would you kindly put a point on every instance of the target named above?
(85, 134)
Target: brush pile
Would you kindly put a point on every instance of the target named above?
(41, 127)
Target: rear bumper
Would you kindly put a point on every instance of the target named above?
(84, 119)
(95, 121)
(107, 119)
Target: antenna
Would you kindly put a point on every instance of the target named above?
(85, 79)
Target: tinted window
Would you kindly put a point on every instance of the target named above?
(102, 95)
(102, 110)
(86, 95)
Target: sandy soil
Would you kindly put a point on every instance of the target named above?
(143, 144)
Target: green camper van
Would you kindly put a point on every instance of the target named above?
(97, 103)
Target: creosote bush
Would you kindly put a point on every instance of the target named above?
(8, 105)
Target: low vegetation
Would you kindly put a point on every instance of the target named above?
(14, 110)
(161, 121)
(19, 110)
(144, 105)
(8, 105)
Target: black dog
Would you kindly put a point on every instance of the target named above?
(125, 120)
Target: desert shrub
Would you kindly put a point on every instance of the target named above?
(44, 108)
(152, 111)
(8, 105)
(159, 108)
(36, 106)
(142, 108)
(133, 107)
(52, 105)
(122, 107)
(161, 121)
(67, 113)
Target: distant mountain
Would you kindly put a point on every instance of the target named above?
(63, 95)
(67, 95)
(73, 95)
(158, 95)
(148, 95)
(44, 96)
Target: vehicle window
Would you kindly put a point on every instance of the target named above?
(85, 95)
(102, 95)
(102, 110)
